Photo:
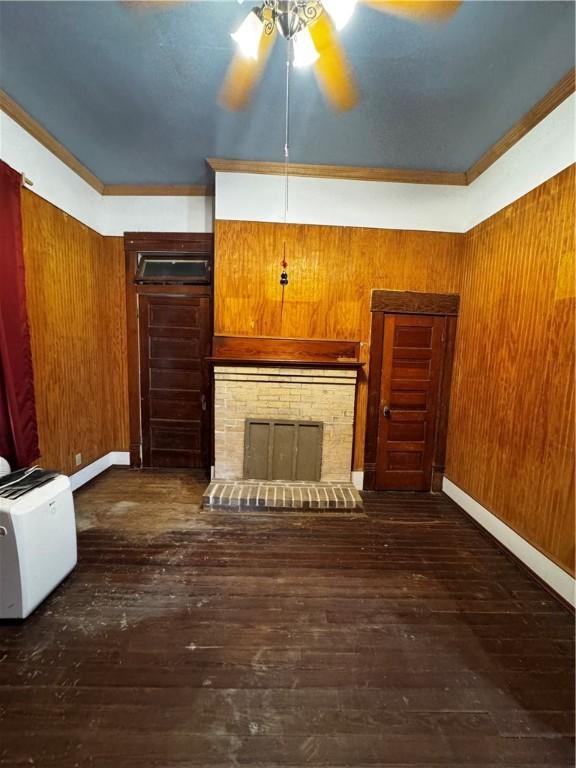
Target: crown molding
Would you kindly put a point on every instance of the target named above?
(344, 172)
(33, 127)
(24, 120)
(555, 96)
(158, 190)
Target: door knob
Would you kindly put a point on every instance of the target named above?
(386, 411)
(203, 401)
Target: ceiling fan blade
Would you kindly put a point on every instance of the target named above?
(152, 5)
(417, 10)
(244, 75)
(332, 69)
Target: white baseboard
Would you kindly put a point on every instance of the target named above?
(358, 479)
(550, 573)
(119, 458)
(94, 469)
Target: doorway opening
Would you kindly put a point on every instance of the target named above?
(169, 316)
(411, 358)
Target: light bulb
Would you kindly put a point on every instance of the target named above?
(340, 11)
(248, 35)
(305, 52)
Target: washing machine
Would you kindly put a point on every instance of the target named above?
(37, 545)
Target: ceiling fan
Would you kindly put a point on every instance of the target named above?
(311, 27)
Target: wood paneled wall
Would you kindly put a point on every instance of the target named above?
(332, 271)
(511, 428)
(76, 305)
(511, 432)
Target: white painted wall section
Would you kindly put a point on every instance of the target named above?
(556, 578)
(547, 149)
(52, 178)
(340, 202)
(108, 214)
(156, 214)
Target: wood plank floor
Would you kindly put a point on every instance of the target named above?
(399, 637)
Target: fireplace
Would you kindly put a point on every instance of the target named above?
(311, 410)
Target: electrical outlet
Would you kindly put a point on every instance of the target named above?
(78, 459)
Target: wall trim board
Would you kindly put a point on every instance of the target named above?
(537, 155)
(414, 302)
(559, 92)
(90, 471)
(552, 99)
(555, 96)
(33, 127)
(158, 190)
(169, 242)
(347, 172)
(261, 349)
(52, 179)
(357, 476)
(559, 580)
(38, 132)
(548, 149)
(111, 215)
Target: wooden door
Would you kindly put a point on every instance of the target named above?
(411, 369)
(174, 382)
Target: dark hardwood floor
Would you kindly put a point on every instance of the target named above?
(401, 637)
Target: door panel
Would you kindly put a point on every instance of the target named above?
(412, 336)
(412, 360)
(406, 431)
(166, 316)
(174, 379)
(170, 349)
(407, 460)
(174, 340)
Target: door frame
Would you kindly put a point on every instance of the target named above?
(166, 242)
(384, 303)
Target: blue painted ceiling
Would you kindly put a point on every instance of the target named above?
(133, 92)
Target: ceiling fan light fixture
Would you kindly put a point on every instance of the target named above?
(340, 11)
(249, 34)
(305, 52)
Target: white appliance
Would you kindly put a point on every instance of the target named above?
(37, 546)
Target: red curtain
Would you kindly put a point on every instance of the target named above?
(18, 429)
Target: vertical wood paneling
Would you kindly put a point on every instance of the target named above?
(76, 305)
(511, 427)
(332, 271)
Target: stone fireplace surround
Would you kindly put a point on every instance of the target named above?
(278, 391)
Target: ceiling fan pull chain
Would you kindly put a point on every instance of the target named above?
(284, 273)
(287, 128)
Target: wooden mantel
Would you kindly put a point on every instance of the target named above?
(271, 351)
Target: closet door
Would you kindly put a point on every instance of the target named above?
(412, 355)
(174, 380)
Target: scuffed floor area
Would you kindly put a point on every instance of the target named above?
(402, 637)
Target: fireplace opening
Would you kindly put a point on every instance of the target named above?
(311, 409)
(280, 449)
